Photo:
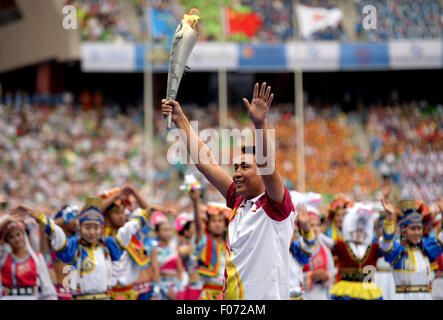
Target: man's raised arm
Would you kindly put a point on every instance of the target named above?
(210, 169)
(258, 110)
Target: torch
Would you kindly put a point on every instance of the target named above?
(183, 42)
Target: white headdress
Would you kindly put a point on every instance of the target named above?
(360, 216)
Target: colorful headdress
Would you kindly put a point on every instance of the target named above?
(339, 203)
(409, 213)
(313, 213)
(158, 217)
(67, 213)
(92, 211)
(181, 220)
(191, 183)
(217, 208)
(309, 198)
(117, 204)
(11, 226)
(109, 193)
(427, 218)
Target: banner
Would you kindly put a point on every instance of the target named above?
(365, 56)
(107, 57)
(313, 19)
(262, 57)
(157, 55)
(210, 56)
(420, 54)
(313, 56)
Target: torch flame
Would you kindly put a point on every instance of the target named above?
(192, 18)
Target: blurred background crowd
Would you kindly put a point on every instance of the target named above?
(256, 21)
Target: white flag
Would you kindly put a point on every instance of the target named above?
(313, 19)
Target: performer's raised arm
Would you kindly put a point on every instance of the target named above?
(47, 225)
(387, 241)
(212, 171)
(195, 199)
(303, 248)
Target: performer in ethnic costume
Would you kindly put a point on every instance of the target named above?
(384, 277)
(411, 259)
(437, 284)
(320, 271)
(354, 252)
(301, 250)
(300, 257)
(186, 227)
(211, 250)
(171, 268)
(89, 253)
(336, 212)
(125, 271)
(24, 273)
(66, 218)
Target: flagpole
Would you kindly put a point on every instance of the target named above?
(148, 112)
(299, 114)
(222, 77)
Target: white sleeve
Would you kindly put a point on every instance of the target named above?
(3, 255)
(136, 223)
(3, 252)
(440, 239)
(34, 233)
(330, 267)
(125, 233)
(326, 240)
(48, 291)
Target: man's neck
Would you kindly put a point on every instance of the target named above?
(254, 195)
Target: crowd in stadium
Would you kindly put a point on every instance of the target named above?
(407, 145)
(268, 21)
(102, 20)
(407, 19)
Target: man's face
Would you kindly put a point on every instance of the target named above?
(414, 232)
(117, 217)
(91, 231)
(247, 182)
(16, 239)
(217, 225)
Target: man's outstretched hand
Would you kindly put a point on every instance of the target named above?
(261, 101)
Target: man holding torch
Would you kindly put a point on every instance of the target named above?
(262, 221)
